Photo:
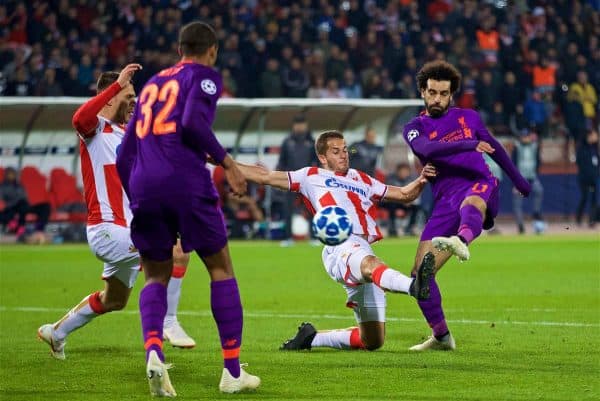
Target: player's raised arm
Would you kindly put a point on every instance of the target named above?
(260, 175)
(499, 155)
(411, 191)
(423, 146)
(85, 119)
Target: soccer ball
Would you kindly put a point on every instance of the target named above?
(331, 225)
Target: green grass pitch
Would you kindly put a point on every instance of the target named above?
(525, 313)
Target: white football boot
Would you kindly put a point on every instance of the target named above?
(158, 377)
(230, 384)
(175, 334)
(434, 344)
(57, 348)
(452, 244)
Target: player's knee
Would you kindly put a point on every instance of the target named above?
(180, 258)
(115, 305)
(373, 344)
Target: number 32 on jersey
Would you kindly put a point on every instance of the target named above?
(167, 94)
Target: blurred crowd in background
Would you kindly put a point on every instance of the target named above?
(525, 63)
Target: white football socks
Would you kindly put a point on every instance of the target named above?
(394, 281)
(78, 316)
(339, 339)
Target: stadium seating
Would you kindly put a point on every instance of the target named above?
(35, 184)
(66, 199)
(62, 194)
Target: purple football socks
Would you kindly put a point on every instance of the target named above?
(227, 311)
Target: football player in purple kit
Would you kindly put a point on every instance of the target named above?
(465, 191)
(162, 165)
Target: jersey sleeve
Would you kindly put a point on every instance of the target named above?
(197, 119)
(297, 178)
(423, 147)
(378, 189)
(85, 119)
(500, 156)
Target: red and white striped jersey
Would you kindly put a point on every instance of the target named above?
(354, 192)
(106, 200)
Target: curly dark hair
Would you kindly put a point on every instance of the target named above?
(440, 71)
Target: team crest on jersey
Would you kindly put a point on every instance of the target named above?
(412, 134)
(208, 86)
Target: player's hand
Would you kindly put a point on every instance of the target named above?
(127, 73)
(484, 147)
(236, 180)
(428, 171)
(524, 187)
(234, 176)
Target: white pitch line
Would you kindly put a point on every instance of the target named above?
(270, 315)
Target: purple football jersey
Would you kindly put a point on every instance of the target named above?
(449, 142)
(169, 136)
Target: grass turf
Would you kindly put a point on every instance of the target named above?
(525, 312)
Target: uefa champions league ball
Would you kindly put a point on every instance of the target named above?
(331, 225)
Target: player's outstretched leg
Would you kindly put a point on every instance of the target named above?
(308, 337)
(57, 347)
(419, 288)
(394, 281)
(302, 340)
(172, 330)
(441, 338)
(452, 244)
(55, 334)
(471, 224)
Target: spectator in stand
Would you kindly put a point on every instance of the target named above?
(498, 122)
(295, 79)
(588, 175)
(536, 113)
(573, 114)
(365, 154)
(20, 85)
(350, 85)
(544, 76)
(510, 94)
(297, 151)
(14, 199)
(488, 41)
(317, 89)
(526, 156)
(485, 94)
(16, 202)
(332, 89)
(401, 177)
(48, 86)
(587, 95)
(270, 80)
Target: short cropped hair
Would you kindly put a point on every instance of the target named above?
(321, 143)
(439, 71)
(105, 80)
(196, 38)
